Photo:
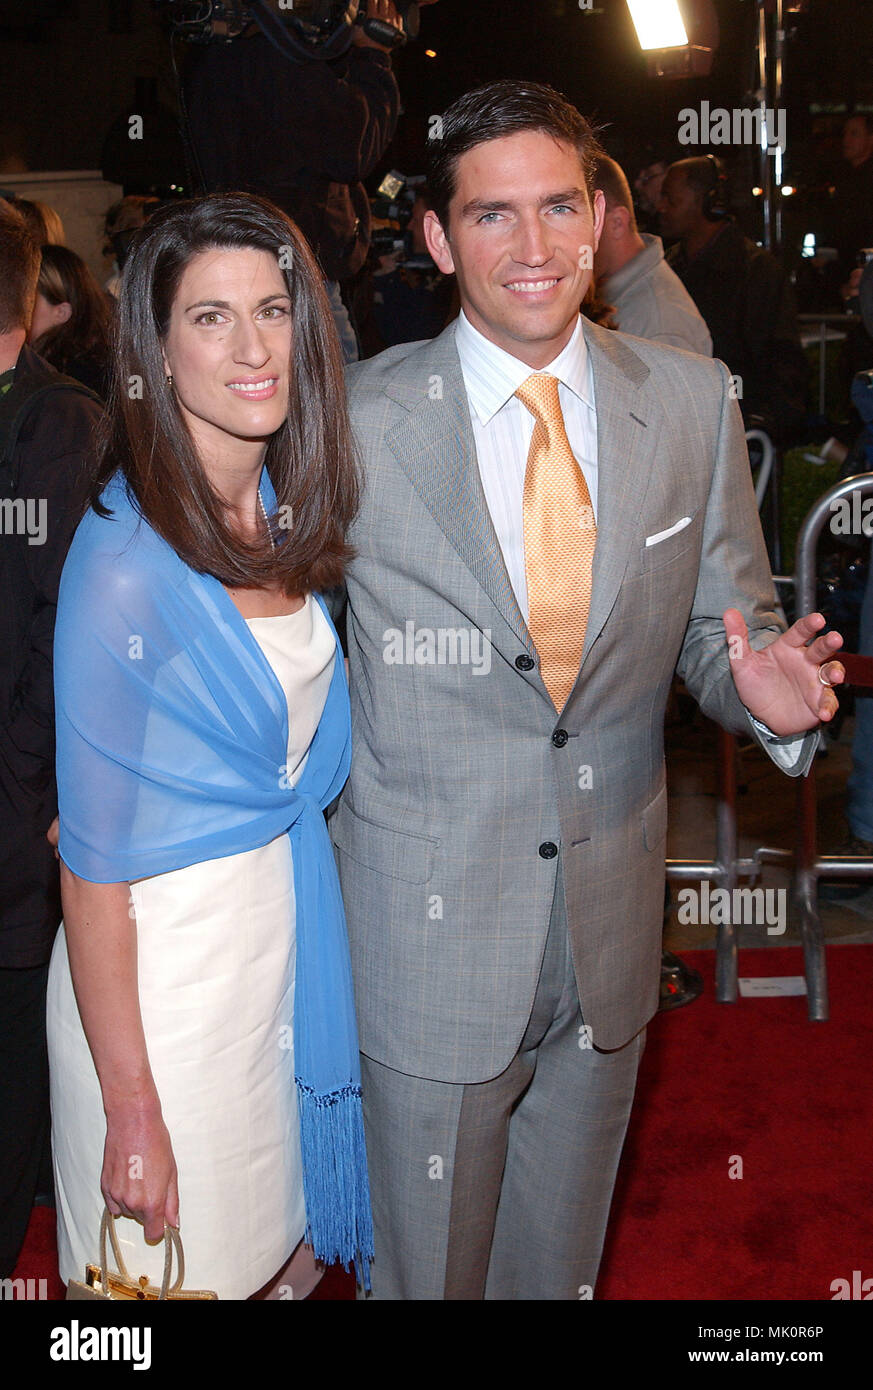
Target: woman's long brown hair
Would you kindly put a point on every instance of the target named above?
(310, 458)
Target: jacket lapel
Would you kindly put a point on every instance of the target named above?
(434, 446)
(625, 444)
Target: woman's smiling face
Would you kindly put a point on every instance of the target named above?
(228, 347)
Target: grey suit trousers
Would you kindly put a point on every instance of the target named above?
(501, 1190)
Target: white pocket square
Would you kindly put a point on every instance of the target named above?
(670, 531)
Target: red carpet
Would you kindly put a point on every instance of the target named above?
(752, 1081)
(793, 1100)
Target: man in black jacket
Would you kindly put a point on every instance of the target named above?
(743, 294)
(303, 134)
(45, 435)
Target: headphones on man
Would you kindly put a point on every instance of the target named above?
(715, 198)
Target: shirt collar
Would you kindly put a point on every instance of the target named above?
(492, 376)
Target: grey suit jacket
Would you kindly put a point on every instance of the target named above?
(464, 781)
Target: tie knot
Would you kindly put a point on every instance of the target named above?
(539, 393)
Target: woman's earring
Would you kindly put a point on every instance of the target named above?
(169, 381)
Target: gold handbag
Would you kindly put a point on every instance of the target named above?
(101, 1282)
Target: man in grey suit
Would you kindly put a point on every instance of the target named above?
(501, 838)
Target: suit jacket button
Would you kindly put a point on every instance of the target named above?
(525, 662)
(559, 737)
(548, 850)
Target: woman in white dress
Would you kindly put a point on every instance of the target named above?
(200, 977)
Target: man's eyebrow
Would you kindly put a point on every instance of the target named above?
(482, 205)
(566, 195)
(223, 304)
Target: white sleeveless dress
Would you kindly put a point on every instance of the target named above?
(215, 952)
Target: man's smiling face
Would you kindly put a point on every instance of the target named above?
(521, 239)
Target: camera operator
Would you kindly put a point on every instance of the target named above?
(303, 134)
(411, 297)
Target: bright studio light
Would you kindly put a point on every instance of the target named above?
(658, 23)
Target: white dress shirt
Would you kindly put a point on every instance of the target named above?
(502, 429)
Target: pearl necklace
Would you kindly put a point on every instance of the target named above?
(266, 522)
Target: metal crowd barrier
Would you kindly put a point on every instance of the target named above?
(762, 481)
(808, 864)
(768, 482)
(727, 870)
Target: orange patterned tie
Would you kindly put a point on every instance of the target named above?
(559, 538)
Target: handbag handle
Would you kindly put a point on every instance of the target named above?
(172, 1241)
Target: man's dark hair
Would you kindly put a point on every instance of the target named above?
(19, 269)
(700, 173)
(500, 109)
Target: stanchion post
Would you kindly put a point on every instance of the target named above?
(806, 863)
(726, 859)
(805, 900)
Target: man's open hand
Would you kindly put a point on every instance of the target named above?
(780, 685)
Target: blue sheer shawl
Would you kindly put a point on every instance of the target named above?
(172, 733)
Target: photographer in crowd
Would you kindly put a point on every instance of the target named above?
(301, 133)
(743, 293)
(412, 299)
